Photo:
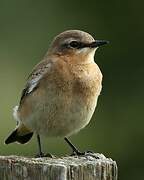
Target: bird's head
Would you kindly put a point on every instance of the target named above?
(76, 45)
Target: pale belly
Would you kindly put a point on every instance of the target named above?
(60, 117)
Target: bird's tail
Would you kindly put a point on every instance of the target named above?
(20, 135)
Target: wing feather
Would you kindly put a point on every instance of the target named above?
(34, 79)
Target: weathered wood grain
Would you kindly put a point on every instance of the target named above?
(89, 167)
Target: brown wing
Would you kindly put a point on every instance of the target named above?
(34, 78)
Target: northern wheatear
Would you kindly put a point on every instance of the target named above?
(61, 93)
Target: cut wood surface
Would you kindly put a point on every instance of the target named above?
(89, 167)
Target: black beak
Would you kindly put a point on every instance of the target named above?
(98, 43)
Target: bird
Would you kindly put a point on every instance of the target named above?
(61, 93)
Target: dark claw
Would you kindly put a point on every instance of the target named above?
(43, 155)
(89, 152)
(78, 153)
(49, 155)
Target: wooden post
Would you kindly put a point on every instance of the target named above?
(90, 167)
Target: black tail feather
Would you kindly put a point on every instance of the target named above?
(14, 136)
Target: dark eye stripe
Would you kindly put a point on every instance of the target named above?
(75, 45)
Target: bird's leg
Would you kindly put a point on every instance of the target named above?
(75, 150)
(41, 154)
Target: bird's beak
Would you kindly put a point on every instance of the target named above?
(98, 43)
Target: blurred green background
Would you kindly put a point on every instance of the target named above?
(117, 128)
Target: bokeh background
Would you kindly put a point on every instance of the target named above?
(117, 128)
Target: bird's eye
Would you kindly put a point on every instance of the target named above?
(74, 44)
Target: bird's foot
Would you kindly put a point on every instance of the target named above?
(85, 153)
(41, 155)
(76, 152)
(79, 153)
